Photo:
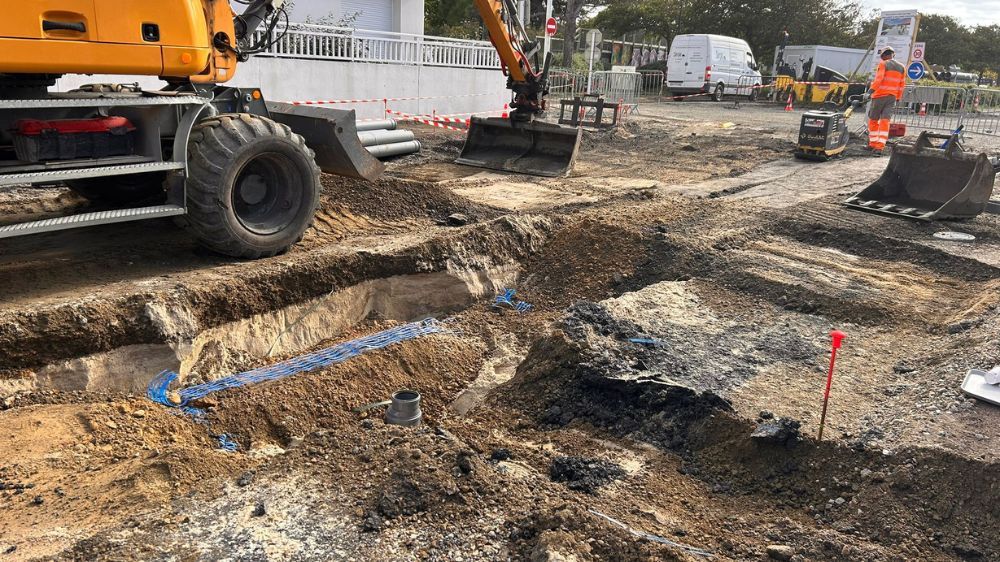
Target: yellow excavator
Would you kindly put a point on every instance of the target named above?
(522, 143)
(237, 171)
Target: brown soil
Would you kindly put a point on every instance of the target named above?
(548, 435)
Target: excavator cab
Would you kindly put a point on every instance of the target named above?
(928, 182)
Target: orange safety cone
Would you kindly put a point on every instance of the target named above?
(923, 110)
(788, 106)
(506, 109)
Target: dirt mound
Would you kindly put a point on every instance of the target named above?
(284, 411)
(392, 199)
(85, 467)
(584, 260)
(569, 533)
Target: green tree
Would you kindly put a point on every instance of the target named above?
(572, 11)
(948, 41)
(453, 18)
(759, 22)
(986, 50)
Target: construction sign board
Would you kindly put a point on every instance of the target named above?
(897, 29)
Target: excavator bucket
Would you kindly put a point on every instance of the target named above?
(538, 149)
(333, 135)
(929, 182)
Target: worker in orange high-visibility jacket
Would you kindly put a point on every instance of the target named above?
(885, 91)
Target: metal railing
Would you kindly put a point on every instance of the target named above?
(305, 41)
(945, 108)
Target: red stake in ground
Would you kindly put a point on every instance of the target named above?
(838, 337)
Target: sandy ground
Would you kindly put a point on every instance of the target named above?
(660, 401)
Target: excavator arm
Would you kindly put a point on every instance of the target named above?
(520, 144)
(518, 57)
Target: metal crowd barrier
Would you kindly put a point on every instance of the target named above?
(946, 108)
(624, 87)
(652, 85)
(567, 84)
(982, 111)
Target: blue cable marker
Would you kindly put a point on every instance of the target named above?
(227, 444)
(645, 341)
(506, 299)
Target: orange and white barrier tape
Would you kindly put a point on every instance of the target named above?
(418, 119)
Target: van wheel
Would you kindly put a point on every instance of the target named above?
(717, 94)
(754, 93)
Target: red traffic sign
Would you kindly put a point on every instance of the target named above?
(551, 27)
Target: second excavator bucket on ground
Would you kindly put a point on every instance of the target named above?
(538, 149)
(333, 135)
(927, 182)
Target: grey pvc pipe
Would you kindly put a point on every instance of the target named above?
(389, 124)
(404, 409)
(373, 138)
(396, 149)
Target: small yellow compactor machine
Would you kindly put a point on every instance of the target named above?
(239, 172)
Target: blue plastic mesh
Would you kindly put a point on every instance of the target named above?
(226, 443)
(159, 386)
(506, 299)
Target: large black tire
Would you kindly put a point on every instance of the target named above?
(121, 189)
(253, 186)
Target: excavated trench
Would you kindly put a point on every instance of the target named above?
(206, 331)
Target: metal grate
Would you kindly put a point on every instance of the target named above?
(103, 101)
(90, 219)
(54, 176)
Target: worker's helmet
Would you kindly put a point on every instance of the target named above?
(888, 51)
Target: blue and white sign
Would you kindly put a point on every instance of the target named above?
(915, 71)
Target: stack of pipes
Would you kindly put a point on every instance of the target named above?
(383, 140)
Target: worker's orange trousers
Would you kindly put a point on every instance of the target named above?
(878, 133)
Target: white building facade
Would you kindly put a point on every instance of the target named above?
(398, 16)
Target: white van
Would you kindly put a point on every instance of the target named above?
(712, 64)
